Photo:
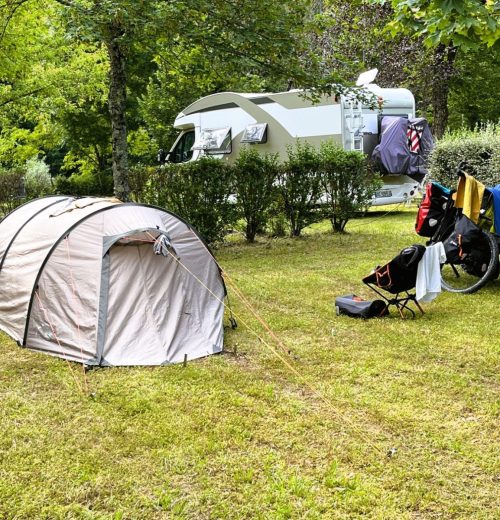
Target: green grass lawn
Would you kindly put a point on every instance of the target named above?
(242, 436)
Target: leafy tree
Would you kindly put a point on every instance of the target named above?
(475, 88)
(186, 72)
(354, 37)
(350, 38)
(117, 26)
(465, 23)
(24, 44)
(446, 26)
(75, 71)
(254, 180)
(51, 91)
(262, 36)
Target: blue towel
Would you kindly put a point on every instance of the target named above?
(496, 206)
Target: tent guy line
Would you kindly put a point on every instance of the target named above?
(300, 376)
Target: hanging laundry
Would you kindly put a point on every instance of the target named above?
(428, 284)
(469, 197)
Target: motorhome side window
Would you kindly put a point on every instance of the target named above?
(182, 151)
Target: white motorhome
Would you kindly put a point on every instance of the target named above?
(220, 124)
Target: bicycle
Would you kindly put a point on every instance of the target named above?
(472, 265)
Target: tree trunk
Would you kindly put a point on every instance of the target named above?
(338, 225)
(251, 231)
(117, 106)
(444, 57)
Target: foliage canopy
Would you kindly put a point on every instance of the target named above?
(466, 23)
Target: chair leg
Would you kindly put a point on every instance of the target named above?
(400, 303)
(413, 297)
(405, 306)
(419, 307)
(404, 303)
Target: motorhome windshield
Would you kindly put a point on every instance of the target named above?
(182, 151)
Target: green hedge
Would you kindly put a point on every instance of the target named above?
(255, 178)
(84, 184)
(138, 178)
(312, 184)
(197, 191)
(300, 187)
(480, 148)
(348, 183)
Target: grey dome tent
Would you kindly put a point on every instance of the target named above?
(107, 283)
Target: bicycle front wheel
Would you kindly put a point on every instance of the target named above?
(467, 278)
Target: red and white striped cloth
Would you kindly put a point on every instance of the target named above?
(414, 135)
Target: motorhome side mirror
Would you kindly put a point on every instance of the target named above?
(162, 156)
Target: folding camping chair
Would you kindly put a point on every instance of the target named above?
(398, 277)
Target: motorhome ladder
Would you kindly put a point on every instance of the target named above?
(354, 124)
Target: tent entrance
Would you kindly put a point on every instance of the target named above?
(143, 302)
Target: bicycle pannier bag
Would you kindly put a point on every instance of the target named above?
(431, 209)
(467, 245)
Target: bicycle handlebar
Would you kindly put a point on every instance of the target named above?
(460, 168)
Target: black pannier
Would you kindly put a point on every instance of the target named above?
(431, 209)
(468, 246)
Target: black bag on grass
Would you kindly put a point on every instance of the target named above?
(355, 307)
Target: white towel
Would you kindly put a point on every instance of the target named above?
(429, 273)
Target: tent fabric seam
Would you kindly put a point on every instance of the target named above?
(29, 202)
(102, 317)
(23, 225)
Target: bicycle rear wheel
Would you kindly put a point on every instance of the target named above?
(464, 278)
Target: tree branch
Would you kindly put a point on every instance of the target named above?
(14, 7)
(17, 98)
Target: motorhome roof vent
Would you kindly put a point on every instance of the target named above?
(255, 134)
(365, 78)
